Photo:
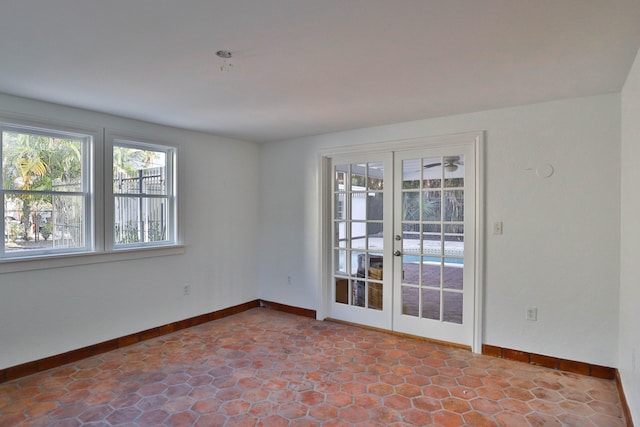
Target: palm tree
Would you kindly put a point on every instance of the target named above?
(32, 163)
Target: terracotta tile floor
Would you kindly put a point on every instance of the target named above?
(266, 368)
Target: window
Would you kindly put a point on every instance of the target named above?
(46, 192)
(74, 192)
(143, 194)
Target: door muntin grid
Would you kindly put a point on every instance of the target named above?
(432, 223)
(358, 227)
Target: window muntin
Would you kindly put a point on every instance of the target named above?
(46, 192)
(143, 194)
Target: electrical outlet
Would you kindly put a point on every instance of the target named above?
(186, 290)
(289, 280)
(532, 314)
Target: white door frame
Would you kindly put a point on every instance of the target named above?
(323, 179)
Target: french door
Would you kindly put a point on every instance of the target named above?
(404, 239)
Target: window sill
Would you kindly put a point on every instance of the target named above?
(72, 260)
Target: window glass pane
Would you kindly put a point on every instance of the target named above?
(44, 192)
(144, 199)
(140, 219)
(138, 171)
(33, 162)
(36, 222)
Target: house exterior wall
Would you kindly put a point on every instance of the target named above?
(48, 312)
(629, 353)
(560, 247)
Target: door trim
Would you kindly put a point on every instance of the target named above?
(323, 181)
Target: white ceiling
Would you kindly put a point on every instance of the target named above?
(304, 67)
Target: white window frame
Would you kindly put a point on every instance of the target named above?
(171, 152)
(99, 217)
(88, 139)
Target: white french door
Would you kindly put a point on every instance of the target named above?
(403, 240)
(434, 232)
(361, 245)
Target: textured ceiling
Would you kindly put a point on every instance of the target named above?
(304, 67)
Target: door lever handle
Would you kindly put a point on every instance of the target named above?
(397, 253)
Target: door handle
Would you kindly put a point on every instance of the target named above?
(397, 253)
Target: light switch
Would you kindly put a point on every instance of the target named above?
(497, 227)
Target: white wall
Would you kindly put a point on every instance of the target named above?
(48, 312)
(630, 242)
(560, 247)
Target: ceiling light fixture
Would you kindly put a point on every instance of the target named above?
(226, 56)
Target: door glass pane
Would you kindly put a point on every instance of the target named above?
(411, 245)
(341, 262)
(454, 172)
(410, 301)
(454, 240)
(375, 206)
(431, 206)
(452, 307)
(375, 240)
(358, 235)
(340, 206)
(375, 296)
(453, 205)
(431, 172)
(453, 272)
(358, 296)
(431, 239)
(358, 176)
(359, 206)
(357, 263)
(431, 304)
(340, 237)
(342, 291)
(375, 177)
(340, 177)
(431, 272)
(410, 270)
(411, 171)
(410, 206)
